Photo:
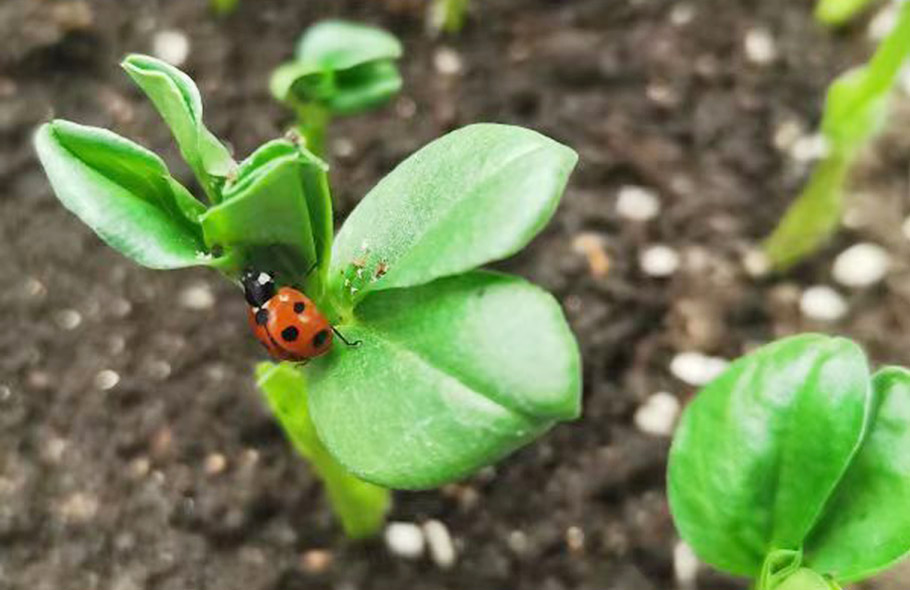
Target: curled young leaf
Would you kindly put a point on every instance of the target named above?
(345, 67)
(866, 527)
(761, 449)
(276, 215)
(177, 99)
(450, 377)
(476, 195)
(361, 506)
(124, 193)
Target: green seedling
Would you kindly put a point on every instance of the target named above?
(449, 16)
(855, 111)
(339, 68)
(456, 367)
(839, 12)
(224, 7)
(793, 466)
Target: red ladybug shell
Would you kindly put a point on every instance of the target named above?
(291, 327)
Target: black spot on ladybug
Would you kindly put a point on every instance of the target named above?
(299, 307)
(290, 334)
(262, 317)
(320, 338)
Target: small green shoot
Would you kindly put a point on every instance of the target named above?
(339, 68)
(458, 366)
(224, 7)
(855, 111)
(835, 13)
(792, 467)
(449, 16)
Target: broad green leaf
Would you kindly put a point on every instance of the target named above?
(838, 12)
(178, 101)
(364, 87)
(124, 193)
(339, 45)
(760, 450)
(361, 506)
(264, 220)
(866, 528)
(476, 195)
(449, 377)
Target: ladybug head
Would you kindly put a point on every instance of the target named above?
(258, 286)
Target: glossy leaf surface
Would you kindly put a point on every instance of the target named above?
(177, 99)
(866, 528)
(476, 195)
(760, 450)
(449, 377)
(361, 506)
(124, 193)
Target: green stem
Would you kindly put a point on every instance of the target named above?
(361, 506)
(813, 216)
(450, 15)
(312, 121)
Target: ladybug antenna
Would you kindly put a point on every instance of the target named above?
(345, 340)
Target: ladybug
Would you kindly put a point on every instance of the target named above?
(286, 321)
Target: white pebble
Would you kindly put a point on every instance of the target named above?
(442, 550)
(658, 414)
(106, 379)
(685, 565)
(404, 539)
(682, 14)
(659, 261)
(810, 148)
(696, 368)
(883, 22)
(787, 134)
(68, 319)
(447, 61)
(756, 263)
(197, 297)
(172, 46)
(760, 46)
(861, 265)
(637, 203)
(822, 303)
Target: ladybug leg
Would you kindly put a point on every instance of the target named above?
(345, 340)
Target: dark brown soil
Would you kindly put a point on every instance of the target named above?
(103, 483)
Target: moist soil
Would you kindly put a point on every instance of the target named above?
(135, 452)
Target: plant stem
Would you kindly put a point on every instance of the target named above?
(312, 120)
(449, 15)
(361, 506)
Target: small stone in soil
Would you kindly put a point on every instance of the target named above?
(810, 148)
(682, 14)
(659, 261)
(447, 61)
(883, 22)
(575, 539)
(760, 46)
(404, 539)
(215, 464)
(861, 265)
(822, 303)
(197, 297)
(172, 46)
(518, 542)
(68, 319)
(637, 203)
(592, 246)
(439, 541)
(78, 508)
(695, 368)
(106, 379)
(657, 416)
(685, 565)
(756, 263)
(316, 561)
